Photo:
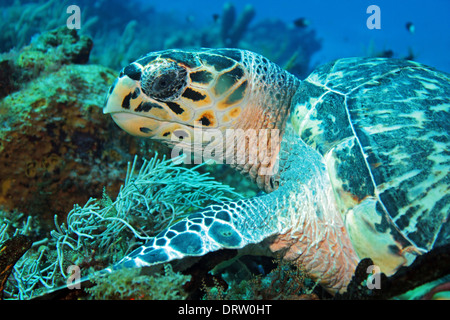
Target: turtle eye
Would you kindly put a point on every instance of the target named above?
(163, 80)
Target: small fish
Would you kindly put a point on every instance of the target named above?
(215, 17)
(385, 54)
(301, 22)
(410, 27)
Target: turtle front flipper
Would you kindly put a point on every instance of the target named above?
(231, 225)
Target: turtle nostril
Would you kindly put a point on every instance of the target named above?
(181, 134)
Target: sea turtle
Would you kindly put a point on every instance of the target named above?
(354, 160)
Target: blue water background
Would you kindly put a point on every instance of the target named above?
(342, 24)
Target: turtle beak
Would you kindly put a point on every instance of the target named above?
(115, 104)
(117, 99)
(109, 107)
(112, 105)
(134, 124)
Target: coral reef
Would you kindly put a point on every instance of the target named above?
(50, 132)
(8, 77)
(46, 53)
(10, 252)
(284, 282)
(103, 231)
(131, 285)
(119, 36)
(54, 48)
(56, 147)
(428, 277)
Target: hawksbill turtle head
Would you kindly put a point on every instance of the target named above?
(227, 104)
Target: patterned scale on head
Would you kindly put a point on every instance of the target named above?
(356, 163)
(167, 94)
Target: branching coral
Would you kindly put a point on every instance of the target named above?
(231, 31)
(102, 231)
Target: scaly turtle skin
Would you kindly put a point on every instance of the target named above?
(362, 169)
